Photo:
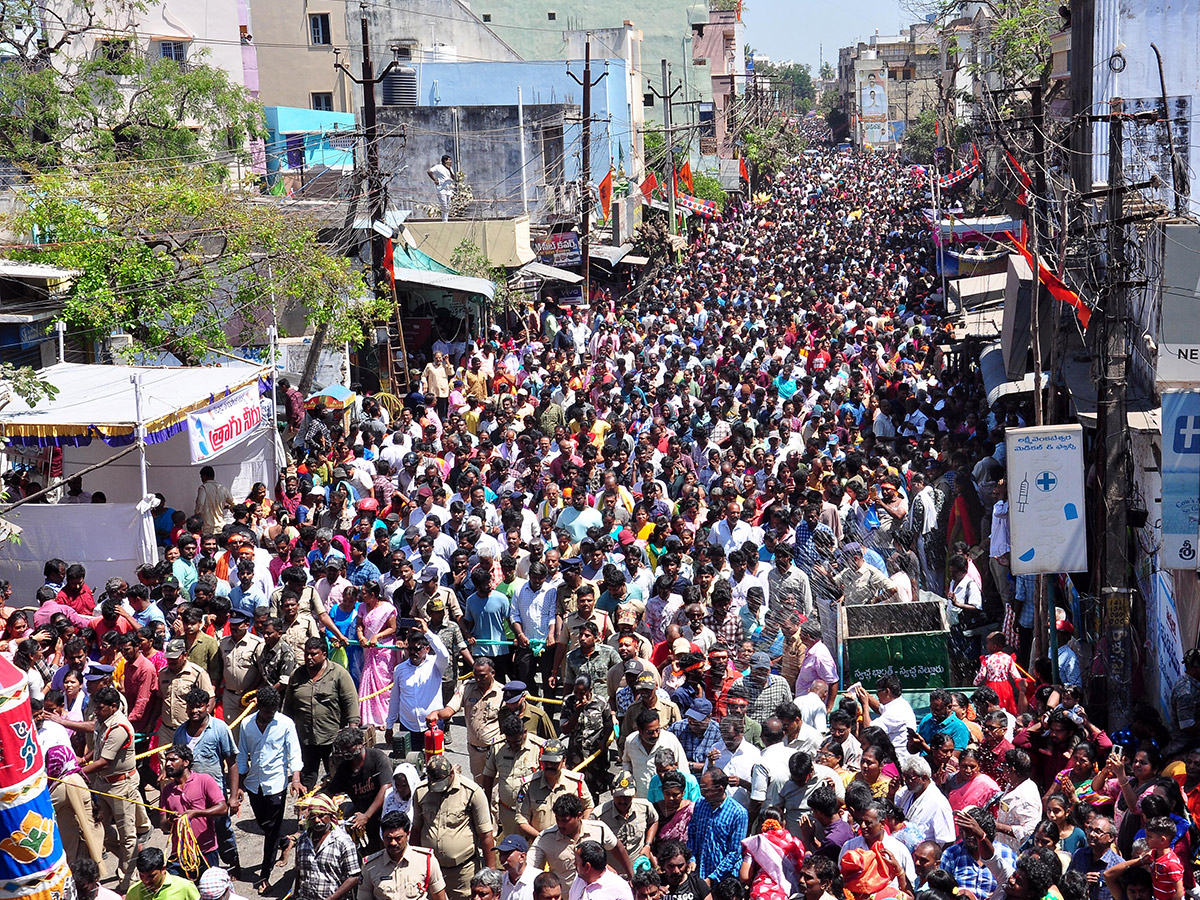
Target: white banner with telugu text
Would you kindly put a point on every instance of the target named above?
(224, 424)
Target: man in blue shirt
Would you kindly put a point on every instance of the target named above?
(697, 733)
(717, 828)
(360, 570)
(484, 614)
(939, 720)
(246, 596)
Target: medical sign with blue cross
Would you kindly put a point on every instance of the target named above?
(1187, 434)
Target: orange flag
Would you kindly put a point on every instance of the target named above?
(685, 174)
(742, 169)
(606, 189)
(649, 186)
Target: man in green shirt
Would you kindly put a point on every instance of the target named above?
(321, 699)
(154, 883)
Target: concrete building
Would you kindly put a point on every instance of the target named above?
(296, 42)
(310, 151)
(516, 159)
(887, 81)
(718, 45)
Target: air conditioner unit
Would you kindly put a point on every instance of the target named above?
(700, 61)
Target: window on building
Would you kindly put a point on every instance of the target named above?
(320, 34)
(116, 55)
(552, 154)
(176, 50)
(322, 101)
(487, 17)
(551, 16)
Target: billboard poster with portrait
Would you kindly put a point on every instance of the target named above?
(872, 95)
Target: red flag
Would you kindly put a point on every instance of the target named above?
(1054, 285)
(649, 186)
(685, 174)
(742, 169)
(388, 261)
(606, 189)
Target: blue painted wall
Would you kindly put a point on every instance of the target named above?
(283, 121)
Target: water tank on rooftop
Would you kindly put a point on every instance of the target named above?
(400, 87)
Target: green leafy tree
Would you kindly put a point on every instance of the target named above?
(794, 80)
(771, 147)
(65, 105)
(469, 259)
(184, 264)
(828, 72)
(707, 186)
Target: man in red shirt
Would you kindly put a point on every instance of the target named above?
(195, 795)
(75, 593)
(140, 686)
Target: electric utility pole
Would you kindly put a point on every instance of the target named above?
(666, 96)
(1113, 424)
(585, 193)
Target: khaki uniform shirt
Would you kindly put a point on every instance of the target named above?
(569, 635)
(512, 769)
(452, 823)
(537, 721)
(310, 602)
(554, 849)
(630, 830)
(113, 740)
(566, 598)
(416, 875)
(421, 600)
(482, 712)
(239, 663)
(298, 633)
(174, 690)
(668, 714)
(537, 799)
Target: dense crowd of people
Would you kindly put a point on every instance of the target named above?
(615, 541)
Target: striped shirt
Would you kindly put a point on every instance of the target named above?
(715, 838)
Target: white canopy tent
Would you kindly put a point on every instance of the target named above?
(97, 413)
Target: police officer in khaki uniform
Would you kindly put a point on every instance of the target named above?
(401, 871)
(112, 774)
(481, 700)
(567, 596)
(239, 654)
(535, 807)
(516, 700)
(511, 763)
(451, 816)
(175, 681)
(585, 611)
(427, 589)
(555, 846)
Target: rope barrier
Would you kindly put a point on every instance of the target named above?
(186, 848)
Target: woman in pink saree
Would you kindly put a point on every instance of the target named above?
(376, 623)
(974, 788)
(771, 860)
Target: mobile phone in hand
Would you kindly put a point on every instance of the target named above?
(408, 623)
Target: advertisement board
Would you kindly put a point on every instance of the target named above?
(1180, 478)
(224, 424)
(872, 95)
(561, 250)
(1046, 499)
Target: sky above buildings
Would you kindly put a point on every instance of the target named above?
(796, 29)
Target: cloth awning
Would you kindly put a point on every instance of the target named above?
(995, 377)
(550, 273)
(95, 401)
(464, 283)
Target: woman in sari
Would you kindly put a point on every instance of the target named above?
(870, 773)
(376, 622)
(974, 788)
(344, 615)
(1078, 782)
(771, 860)
(674, 812)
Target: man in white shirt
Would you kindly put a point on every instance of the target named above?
(741, 761)
(640, 749)
(889, 711)
(517, 879)
(927, 810)
(594, 879)
(442, 175)
(417, 684)
(1020, 808)
(731, 532)
(874, 832)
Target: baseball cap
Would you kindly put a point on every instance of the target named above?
(632, 666)
(175, 649)
(624, 786)
(513, 842)
(429, 573)
(700, 709)
(760, 660)
(425, 492)
(627, 615)
(237, 615)
(438, 773)
(170, 581)
(681, 645)
(852, 549)
(625, 537)
(436, 604)
(645, 682)
(214, 884)
(553, 751)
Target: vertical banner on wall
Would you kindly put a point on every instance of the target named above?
(1046, 500)
(221, 425)
(1180, 478)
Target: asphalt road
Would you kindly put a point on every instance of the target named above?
(250, 839)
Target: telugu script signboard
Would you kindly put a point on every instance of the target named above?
(224, 424)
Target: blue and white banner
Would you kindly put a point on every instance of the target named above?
(1046, 499)
(229, 421)
(1180, 478)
